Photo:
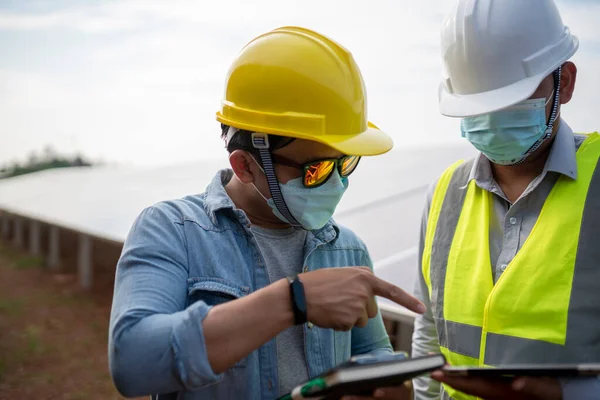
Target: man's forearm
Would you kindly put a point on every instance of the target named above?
(237, 328)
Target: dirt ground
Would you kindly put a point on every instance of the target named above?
(53, 337)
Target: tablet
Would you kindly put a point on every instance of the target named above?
(362, 375)
(530, 370)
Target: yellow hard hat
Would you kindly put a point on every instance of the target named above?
(297, 83)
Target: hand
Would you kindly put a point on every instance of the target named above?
(340, 298)
(518, 389)
(402, 392)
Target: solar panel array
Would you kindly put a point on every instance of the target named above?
(383, 204)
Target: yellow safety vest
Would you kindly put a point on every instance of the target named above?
(546, 305)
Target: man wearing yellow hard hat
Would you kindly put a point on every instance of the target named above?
(236, 293)
(510, 262)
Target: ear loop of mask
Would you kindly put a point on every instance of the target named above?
(263, 171)
(551, 120)
(253, 185)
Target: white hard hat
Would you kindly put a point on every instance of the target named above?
(497, 52)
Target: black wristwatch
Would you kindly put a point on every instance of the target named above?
(298, 300)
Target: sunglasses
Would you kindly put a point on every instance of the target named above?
(318, 172)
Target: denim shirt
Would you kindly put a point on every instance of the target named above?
(183, 257)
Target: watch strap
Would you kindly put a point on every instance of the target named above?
(298, 300)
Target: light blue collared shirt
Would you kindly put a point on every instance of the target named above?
(183, 257)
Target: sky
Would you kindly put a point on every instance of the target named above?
(139, 81)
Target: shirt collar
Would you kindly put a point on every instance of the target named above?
(216, 197)
(217, 200)
(562, 159)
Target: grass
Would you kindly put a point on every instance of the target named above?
(33, 337)
(78, 396)
(11, 307)
(52, 336)
(44, 379)
(7, 251)
(25, 262)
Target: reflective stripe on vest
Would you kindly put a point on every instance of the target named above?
(544, 306)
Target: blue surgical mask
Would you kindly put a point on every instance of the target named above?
(505, 137)
(314, 207)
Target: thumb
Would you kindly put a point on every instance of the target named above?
(540, 388)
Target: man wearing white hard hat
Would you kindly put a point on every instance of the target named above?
(510, 248)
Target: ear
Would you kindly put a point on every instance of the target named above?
(567, 82)
(243, 166)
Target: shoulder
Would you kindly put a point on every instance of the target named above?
(466, 168)
(579, 139)
(177, 212)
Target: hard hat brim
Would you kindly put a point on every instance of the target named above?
(371, 142)
(463, 106)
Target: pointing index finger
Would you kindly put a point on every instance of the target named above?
(394, 293)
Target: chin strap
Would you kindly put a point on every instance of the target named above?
(551, 121)
(260, 141)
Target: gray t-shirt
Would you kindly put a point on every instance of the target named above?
(283, 252)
